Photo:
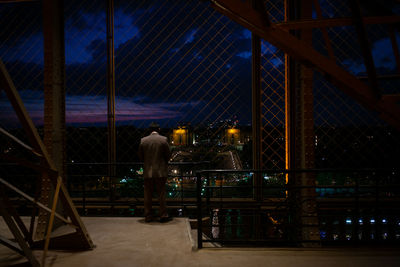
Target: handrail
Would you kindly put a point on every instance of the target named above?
(356, 195)
(301, 170)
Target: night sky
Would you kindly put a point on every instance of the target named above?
(176, 61)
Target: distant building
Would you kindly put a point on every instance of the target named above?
(232, 136)
(182, 136)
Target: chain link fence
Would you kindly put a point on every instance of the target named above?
(273, 96)
(184, 65)
(346, 134)
(21, 50)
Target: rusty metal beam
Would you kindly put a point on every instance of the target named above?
(16, 1)
(27, 235)
(111, 137)
(306, 54)
(334, 22)
(305, 144)
(383, 77)
(8, 86)
(256, 115)
(365, 48)
(290, 100)
(54, 82)
(20, 110)
(54, 101)
(395, 47)
(324, 31)
(31, 199)
(16, 232)
(291, 67)
(256, 108)
(19, 142)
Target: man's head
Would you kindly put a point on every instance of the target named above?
(154, 127)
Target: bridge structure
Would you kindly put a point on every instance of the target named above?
(321, 101)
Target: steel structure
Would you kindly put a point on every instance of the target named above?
(77, 239)
(258, 22)
(52, 163)
(211, 80)
(299, 85)
(54, 103)
(111, 132)
(368, 214)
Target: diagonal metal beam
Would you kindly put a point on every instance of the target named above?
(335, 22)
(365, 47)
(11, 245)
(324, 31)
(26, 196)
(19, 142)
(8, 86)
(242, 13)
(395, 47)
(18, 235)
(16, 1)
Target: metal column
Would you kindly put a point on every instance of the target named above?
(290, 124)
(54, 82)
(111, 137)
(256, 119)
(54, 100)
(256, 110)
(300, 134)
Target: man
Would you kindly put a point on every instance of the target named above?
(155, 153)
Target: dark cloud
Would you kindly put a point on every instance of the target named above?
(185, 59)
(97, 49)
(19, 21)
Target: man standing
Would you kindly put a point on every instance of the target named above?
(155, 153)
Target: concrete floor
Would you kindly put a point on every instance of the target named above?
(131, 242)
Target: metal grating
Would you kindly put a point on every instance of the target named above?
(21, 50)
(181, 62)
(273, 97)
(348, 135)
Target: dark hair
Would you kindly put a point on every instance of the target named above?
(154, 126)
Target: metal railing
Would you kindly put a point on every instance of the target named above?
(353, 207)
(92, 188)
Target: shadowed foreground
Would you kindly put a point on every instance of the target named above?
(131, 242)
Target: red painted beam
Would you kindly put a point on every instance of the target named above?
(242, 13)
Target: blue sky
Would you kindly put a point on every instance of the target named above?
(175, 61)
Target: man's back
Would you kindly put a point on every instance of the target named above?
(155, 153)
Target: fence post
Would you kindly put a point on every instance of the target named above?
(84, 195)
(356, 214)
(199, 215)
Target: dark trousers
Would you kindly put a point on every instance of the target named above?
(149, 184)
